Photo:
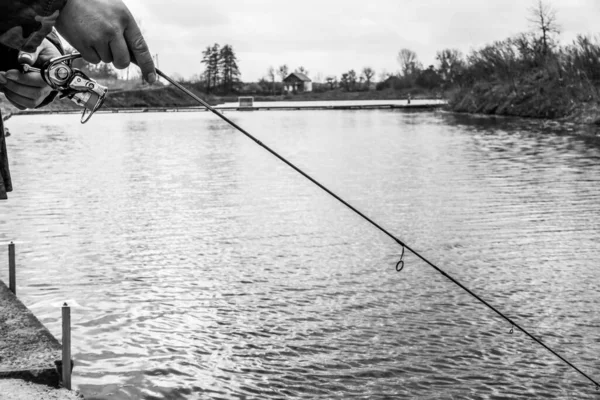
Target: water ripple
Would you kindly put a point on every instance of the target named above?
(200, 267)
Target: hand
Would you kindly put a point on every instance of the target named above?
(28, 90)
(105, 30)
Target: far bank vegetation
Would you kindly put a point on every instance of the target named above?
(530, 74)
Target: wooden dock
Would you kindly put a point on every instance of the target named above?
(28, 351)
(30, 356)
(283, 107)
(311, 107)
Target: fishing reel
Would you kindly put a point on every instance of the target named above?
(73, 84)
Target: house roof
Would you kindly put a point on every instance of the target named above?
(298, 75)
(391, 78)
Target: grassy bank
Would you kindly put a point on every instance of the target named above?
(532, 75)
(532, 96)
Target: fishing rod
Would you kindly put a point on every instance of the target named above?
(400, 264)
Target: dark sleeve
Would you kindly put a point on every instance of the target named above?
(25, 23)
(8, 58)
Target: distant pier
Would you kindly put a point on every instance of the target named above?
(307, 107)
(296, 106)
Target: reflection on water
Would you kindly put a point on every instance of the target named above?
(200, 266)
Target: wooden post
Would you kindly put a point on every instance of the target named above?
(12, 270)
(66, 346)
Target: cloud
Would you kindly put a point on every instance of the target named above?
(181, 14)
(332, 36)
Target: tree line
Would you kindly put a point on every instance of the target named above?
(533, 55)
(221, 71)
(536, 54)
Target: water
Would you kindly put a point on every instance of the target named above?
(199, 266)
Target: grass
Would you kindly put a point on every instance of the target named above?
(533, 96)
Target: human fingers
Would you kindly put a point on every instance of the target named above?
(25, 96)
(30, 58)
(118, 47)
(104, 52)
(19, 101)
(140, 52)
(79, 22)
(91, 56)
(47, 52)
(33, 93)
(29, 79)
(25, 90)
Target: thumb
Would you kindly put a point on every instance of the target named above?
(29, 58)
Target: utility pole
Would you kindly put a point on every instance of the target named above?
(156, 64)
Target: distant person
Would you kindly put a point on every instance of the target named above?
(408, 98)
(101, 30)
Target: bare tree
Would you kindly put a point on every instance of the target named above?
(497, 61)
(368, 74)
(352, 78)
(302, 70)
(177, 77)
(526, 47)
(408, 62)
(383, 75)
(283, 71)
(542, 17)
(345, 81)
(450, 63)
(331, 81)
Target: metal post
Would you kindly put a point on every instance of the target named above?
(12, 270)
(66, 346)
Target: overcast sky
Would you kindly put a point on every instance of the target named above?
(329, 37)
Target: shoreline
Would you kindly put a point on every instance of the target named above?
(434, 104)
(581, 114)
(546, 100)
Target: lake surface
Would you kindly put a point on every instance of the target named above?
(199, 266)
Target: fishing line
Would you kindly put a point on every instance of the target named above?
(400, 264)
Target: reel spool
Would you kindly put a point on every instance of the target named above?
(73, 84)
